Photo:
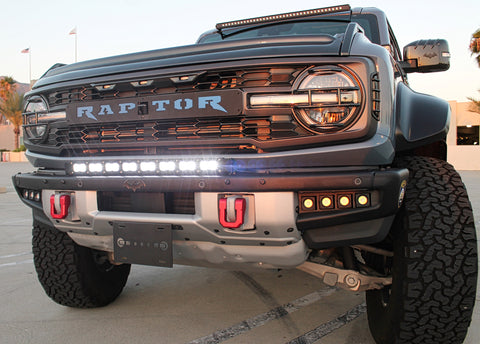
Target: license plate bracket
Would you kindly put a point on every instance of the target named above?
(143, 243)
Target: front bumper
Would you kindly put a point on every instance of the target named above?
(282, 234)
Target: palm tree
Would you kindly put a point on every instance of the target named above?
(475, 49)
(11, 107)
(474, 105)
(475, 45)
(7, 86)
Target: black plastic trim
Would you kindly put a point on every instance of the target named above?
(363, 232)
(358, 225)
(350, 32)
(386, 182)
(352, 180)
(420, 119)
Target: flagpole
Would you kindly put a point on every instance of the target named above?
(76, 44)
(27, 51)
(30, 66)
(74, 32)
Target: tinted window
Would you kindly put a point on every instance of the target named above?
(468, 135)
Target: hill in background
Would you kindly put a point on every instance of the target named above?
(21, 87)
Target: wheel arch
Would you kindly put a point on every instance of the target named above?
(422, 123)
(436, 150)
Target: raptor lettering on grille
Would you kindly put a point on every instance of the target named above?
(165, 106)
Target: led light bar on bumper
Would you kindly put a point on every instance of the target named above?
(324, 99)
(150, 167)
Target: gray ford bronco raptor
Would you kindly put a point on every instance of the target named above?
(280, 142)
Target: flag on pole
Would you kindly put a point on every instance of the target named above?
(74, 31)
(27, 51)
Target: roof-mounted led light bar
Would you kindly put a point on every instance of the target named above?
(283, 16)
(172, 167)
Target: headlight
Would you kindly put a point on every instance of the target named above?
(36, 116)
(324, 99)
(339, 99)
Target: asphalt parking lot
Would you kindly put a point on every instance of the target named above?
(183, 304)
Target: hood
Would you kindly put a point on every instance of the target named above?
(271, 47)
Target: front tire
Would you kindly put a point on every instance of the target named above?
(434, 266)
(73, 275)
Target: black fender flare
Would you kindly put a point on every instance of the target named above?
(420, 119)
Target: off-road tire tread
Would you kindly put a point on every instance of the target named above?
(68, 272)
(438, 256)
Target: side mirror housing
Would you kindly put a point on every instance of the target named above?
(426, 56)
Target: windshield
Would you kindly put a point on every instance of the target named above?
(304, 27)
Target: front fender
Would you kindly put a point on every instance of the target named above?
(420, 119)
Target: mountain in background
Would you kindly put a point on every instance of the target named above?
(21, 87)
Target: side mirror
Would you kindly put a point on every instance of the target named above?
(426, 56)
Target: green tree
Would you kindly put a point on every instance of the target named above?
(7, 86)
(475, 45)
(11, 107)
(474, 105)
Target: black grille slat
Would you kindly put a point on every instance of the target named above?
(262, 129)
(253, 77)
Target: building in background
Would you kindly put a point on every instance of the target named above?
(463, 138)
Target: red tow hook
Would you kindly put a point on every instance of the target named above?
(240, 207)
(64, 204)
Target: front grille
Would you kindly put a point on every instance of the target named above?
(261, 129)
(229, 134)
(226, 79)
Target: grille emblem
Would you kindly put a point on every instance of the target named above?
(134, 185)
(92, 112)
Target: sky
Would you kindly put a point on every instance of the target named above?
(114, 27)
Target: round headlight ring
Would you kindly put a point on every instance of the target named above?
(35, 108)
(335, 99)
(35, 105)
